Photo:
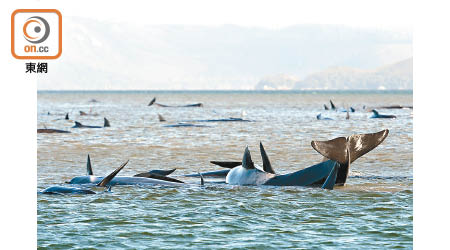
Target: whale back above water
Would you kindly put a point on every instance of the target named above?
(66, 190)
(104, 182)
(51, 131)
(153, 174)
(122, 180)
(247, 173)
(378, 115)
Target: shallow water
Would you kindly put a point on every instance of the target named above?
(373, 210)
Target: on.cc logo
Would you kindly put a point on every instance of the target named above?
(36, 29)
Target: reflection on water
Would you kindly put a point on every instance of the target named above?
(374, 208)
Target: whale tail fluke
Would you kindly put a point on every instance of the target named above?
(346, 150)
(89, 166)
(325, 107)
(106, 123)
(108, 178)
(266, 163)
(152, 101)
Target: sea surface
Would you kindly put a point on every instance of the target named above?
(374, 210)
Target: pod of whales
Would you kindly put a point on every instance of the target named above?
(153, 102)
(105, 124)
(338, 154)
(333, 107)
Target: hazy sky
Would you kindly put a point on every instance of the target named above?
(185, 67)
(381, 13)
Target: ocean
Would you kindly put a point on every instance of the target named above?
(373, 210)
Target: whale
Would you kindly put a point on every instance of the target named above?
(183, 125)
(105, 124)
(319, 117)
(79, 190)
(377, 115)
(395, 107)
(51, 130)
(252, 174)
(338, 154)
(155, 177)
(326, 107)
(194, 105)
(231, 119)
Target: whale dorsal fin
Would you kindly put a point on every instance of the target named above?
(161, 118)
(162, 172)
(78, 124)
(266, 163)
(227, 164)
(106, 122)
(325, 107)
(152, 101)
(375, 112)
(332, 105)
(108, 178)
(89, 166)
(202, 181)
(357, 146)
(247, 160)
(67, 116)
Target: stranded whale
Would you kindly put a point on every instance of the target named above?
(319, 117)
(377, 115)
(151, 177)
(339, 153)
(51, 130)
(79, 125)
(77, 190)
(153, 102)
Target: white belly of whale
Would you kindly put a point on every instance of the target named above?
(242, 176)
